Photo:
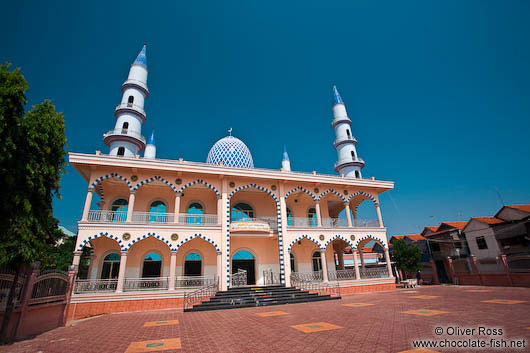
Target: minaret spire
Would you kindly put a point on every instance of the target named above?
(348, 162)
(286, 163)
(126, 139)
(150, 149)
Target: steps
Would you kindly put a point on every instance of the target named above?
(245, 297)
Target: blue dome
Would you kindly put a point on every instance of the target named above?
(232, 152)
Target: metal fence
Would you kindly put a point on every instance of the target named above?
(373, 272)
(315, 276)
(194, 281)
(95, 285)
(341, 275)
(239, 278)
(6, 280)
(134, 284)
(271, 278)
(49, 286)
(200, 294)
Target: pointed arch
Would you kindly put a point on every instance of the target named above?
(102, 234)
(367, 238)
(200, 181)
(302, 189)
(109, 176)
(305, 236)
(365, 194)
(280, 231)
(155, 178)
(154, 235)
(196, 235)
(338, 236)
(333, 192)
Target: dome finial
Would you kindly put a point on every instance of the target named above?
(285, 155)
(230, 131)
(141, 59)
(336, 96)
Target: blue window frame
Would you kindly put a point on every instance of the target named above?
(242, 211)
(195, 213)
(157, 212)
(120, 208)
(312, 215)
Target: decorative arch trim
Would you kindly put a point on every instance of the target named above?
(109, 176)
(102, 234)
(154, 235)
(369, 237)
(305, 236)
(280, 231)
(333, 192)
(338, 236)
(196, 235)
(200, 181)
(155, 178)
(302, 189)
(365, 194)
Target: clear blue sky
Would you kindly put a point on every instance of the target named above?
(438, 92)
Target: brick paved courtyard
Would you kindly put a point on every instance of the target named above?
(371, 322)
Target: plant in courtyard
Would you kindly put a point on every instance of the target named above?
(32, 159)
(407, 257)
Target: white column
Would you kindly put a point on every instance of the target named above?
(88, 202)
(388, 264)
(348, 214)
(77, 259)
(121, 273)
(225, 261)
(219, 266)
(172, 270)
(177, 208)
(220, 215)
(324, 265)
(362, 257)
(319, 216)
(130, 206)
(379, 216)
(285, 254)
(357, 272)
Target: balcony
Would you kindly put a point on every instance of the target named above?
(131, 108)
(104, 216)
(359, 162)
(299, 222)
(341, 141)
(119, 134)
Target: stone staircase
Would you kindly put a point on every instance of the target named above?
(245, 297)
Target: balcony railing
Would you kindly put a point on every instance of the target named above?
(125, 132)
(195, 281)
(132, 106)
(95, 285)
(315, 276)
(104, 216)
(301, 222)
(334, 223)
(133, 284)
(341, 275)
(298, 222)
(272, 221)
(373, 272)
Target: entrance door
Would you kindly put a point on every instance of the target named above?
(152, 266)
(244, 260)
(192, 264)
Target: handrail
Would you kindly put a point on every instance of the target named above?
(270, 277)
(147, 283)
(315, 276)
(338, 275)
(239, 278)
(127, 132)
(201, 293)
(95, 285)
(321, 288)
(131, 106)
(194, 281)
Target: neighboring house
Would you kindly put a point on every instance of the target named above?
(416, 239)
(508, 232)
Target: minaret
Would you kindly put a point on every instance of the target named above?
(286, 163)
(126, 139)
(348, 162)
(150, 149)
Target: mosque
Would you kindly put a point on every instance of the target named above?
(168, 225)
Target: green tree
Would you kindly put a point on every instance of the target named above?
(32, 159)
(407, 257)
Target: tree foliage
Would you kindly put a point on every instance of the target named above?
(32, 159)
(407, 257)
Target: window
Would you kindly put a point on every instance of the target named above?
(130, 101)
(157, 212)
(119, 208)
(242, 211)
(353, 155)
(289, 217)
(192, 264)
(293, 262)
(111, 266)
(152, 265)
(312, 215)
(357, 174)
(317, 261)
(195, 213)
(121, 151)
(481, 243)
(125, 127)
(348, 133)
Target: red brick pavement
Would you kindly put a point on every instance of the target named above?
(382, 327)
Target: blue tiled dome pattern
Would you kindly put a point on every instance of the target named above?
(232, 152)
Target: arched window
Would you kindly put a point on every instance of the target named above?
(192, 264)
(111, 266)
(242, 211)
(119, 208)
(293, 262)
(121, 151)
(157, 212)
(130, 101)
(195, 213)
(353, 155)
(348, 133)
(244, 260)
(289, 217)
(357, 174)
(317, 261)
(312, 215)
(152, 265)
(124, 127)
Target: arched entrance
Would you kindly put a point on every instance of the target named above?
(110, 266)
(152, 265)
(193, 264)
(244, 260)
